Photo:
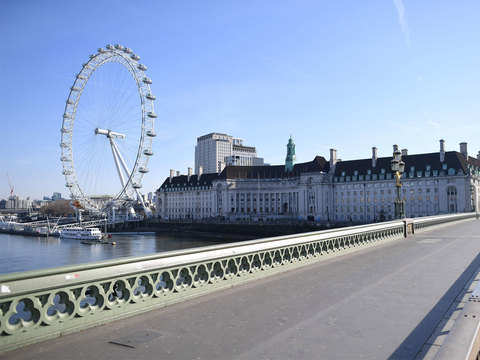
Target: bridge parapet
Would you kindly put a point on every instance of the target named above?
(38, 305)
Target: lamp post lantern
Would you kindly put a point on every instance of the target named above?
(398, 167)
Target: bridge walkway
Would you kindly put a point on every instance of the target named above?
(380, 302)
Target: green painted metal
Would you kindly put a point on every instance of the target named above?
(290, 159)
(38, 305)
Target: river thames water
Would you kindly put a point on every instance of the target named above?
(22, 253)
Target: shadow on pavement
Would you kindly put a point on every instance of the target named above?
(413, 343)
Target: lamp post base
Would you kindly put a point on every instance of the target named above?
(399, 209)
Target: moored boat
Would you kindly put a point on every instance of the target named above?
(81, 233)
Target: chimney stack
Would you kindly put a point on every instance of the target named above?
(172, 174)
(178, 173)
(395, 147)
(442, 150)
(374, 156)
(333, 158)
(189, 173)
(404, 152)
(478, 155)
(200, 171)
(463, 149)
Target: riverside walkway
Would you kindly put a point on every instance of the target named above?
(394, 300)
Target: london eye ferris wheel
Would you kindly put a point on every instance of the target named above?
(107, 130)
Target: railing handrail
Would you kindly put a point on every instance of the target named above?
(439, 217)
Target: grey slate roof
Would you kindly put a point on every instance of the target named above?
(274, 171)
(453, 160)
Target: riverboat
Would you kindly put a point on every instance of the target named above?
(81, 233)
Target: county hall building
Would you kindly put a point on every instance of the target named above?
(359, 191)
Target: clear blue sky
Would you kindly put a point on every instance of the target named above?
(344, 74)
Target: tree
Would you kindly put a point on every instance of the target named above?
(58, 208)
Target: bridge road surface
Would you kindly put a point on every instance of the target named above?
(381, 302)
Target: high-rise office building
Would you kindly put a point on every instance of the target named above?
(215, 150)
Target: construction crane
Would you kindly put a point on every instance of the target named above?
(10, 185)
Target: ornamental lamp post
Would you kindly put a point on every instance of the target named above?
(398, 167)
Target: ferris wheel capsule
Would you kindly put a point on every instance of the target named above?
(152, 115)
(147, 80)
(150, 96)
(142, 67)
(151, 133)
(109, 47)
(135, 57)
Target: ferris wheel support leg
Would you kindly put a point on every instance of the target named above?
(115, 158)
(148, 212)
(120, 157)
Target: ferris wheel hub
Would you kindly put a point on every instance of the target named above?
(109, 133)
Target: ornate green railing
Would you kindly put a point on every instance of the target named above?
(38, 305)
(424, 222)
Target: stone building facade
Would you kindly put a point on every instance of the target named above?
(358, 191)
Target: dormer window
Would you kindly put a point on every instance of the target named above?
(435, 172)
(412, 169)
(444, 166)
(382, 171)
(451, 171)
(369, 172)
(355, 172)
(428, 168)
(343, 173)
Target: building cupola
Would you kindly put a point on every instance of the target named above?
(290, 159)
